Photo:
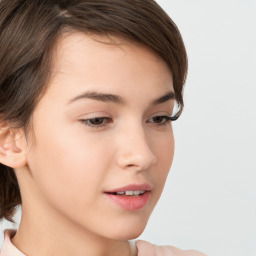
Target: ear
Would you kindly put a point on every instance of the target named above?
(12, 147)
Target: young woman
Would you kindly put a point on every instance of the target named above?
(88, 93)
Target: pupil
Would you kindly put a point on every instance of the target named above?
(158, 119)
(97, 121)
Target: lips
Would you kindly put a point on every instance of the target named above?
(131, 197)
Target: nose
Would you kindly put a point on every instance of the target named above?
(134, 150)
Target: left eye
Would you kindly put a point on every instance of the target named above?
(160, 120)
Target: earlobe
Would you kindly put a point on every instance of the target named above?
(12, 147)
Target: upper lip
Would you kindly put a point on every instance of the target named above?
(132, 187)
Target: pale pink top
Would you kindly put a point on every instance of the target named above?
(139, 248)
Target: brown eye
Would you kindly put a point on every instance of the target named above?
(160, 120)
(96, 122)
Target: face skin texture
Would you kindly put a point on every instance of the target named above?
(69, 164)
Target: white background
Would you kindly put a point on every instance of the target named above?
(209, 202)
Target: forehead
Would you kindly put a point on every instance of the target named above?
(83, 62)
(100, 52)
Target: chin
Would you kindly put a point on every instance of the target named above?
(127, 234)
(128, 229)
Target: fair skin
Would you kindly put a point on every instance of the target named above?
(65, 166)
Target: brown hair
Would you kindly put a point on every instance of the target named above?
(29, 30)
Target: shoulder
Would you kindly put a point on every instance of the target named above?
(148, 249)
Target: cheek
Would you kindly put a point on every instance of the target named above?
(67, 166)
(164, 150)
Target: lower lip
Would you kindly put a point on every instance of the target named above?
(131, 203)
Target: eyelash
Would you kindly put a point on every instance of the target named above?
(106, 120)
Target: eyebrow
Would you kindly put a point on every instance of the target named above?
(112, 98)
(93, 95)
(168, 96)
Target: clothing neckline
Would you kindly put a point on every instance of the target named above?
(8, 248)
(133, 247)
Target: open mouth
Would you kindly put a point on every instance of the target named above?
(131, 197)
(128, 193)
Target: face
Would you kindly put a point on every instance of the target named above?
(102, 135)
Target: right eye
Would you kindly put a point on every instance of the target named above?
(96, 122)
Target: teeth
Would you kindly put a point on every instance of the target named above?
(120, 193)
(129, 193)
(134, 193)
